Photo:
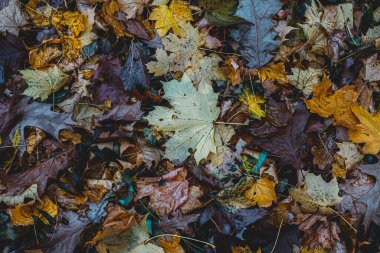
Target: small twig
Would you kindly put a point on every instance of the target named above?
(231, 123)
(278, 235)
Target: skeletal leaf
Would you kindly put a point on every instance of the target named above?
(191, 119)
(42, 83)
(12, 18)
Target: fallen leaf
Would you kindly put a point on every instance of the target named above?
(67, 235)
(350, 153)
(17, 183)
(367, 131)
(262, 192)
(22, 214)
(34, 139)
(68, 22)
(221, 12)
(134, 74)
(305, 80)
(168, 198)
(370, 198)
(132, 7)
(171, 245)
(273, 72)
(173, 16)
(43, 83)
(192, 119)
(19, 198)
(12, 18)
(327, 103)
(52, 123)
(40, 57)
(289, 141)
(253, 103)
(317, 195)
(260, 29)
(372, 68)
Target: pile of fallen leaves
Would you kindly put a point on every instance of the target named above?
(174, 126)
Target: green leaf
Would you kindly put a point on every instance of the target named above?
(221, 12)
(42, 83)
(191, 119)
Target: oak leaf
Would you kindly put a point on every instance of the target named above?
(42, 83)
(191, 119)
(367, 131)
(12, 18)
(172, 16)
(258, 29)
(317, 195)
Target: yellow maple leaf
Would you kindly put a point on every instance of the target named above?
(367, 131)
(262, 192)
(172, 16)
(327, 103)
(22, 214)
(253, 102)
(273, 72)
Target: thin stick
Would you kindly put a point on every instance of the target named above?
(343, 219)
(278, 235)
(183, 237)
(231, 123)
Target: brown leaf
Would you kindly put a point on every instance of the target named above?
(15, 184)
(167, 198)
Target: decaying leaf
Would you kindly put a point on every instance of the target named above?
(192, 119)
(350, 153)
(317, 195)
